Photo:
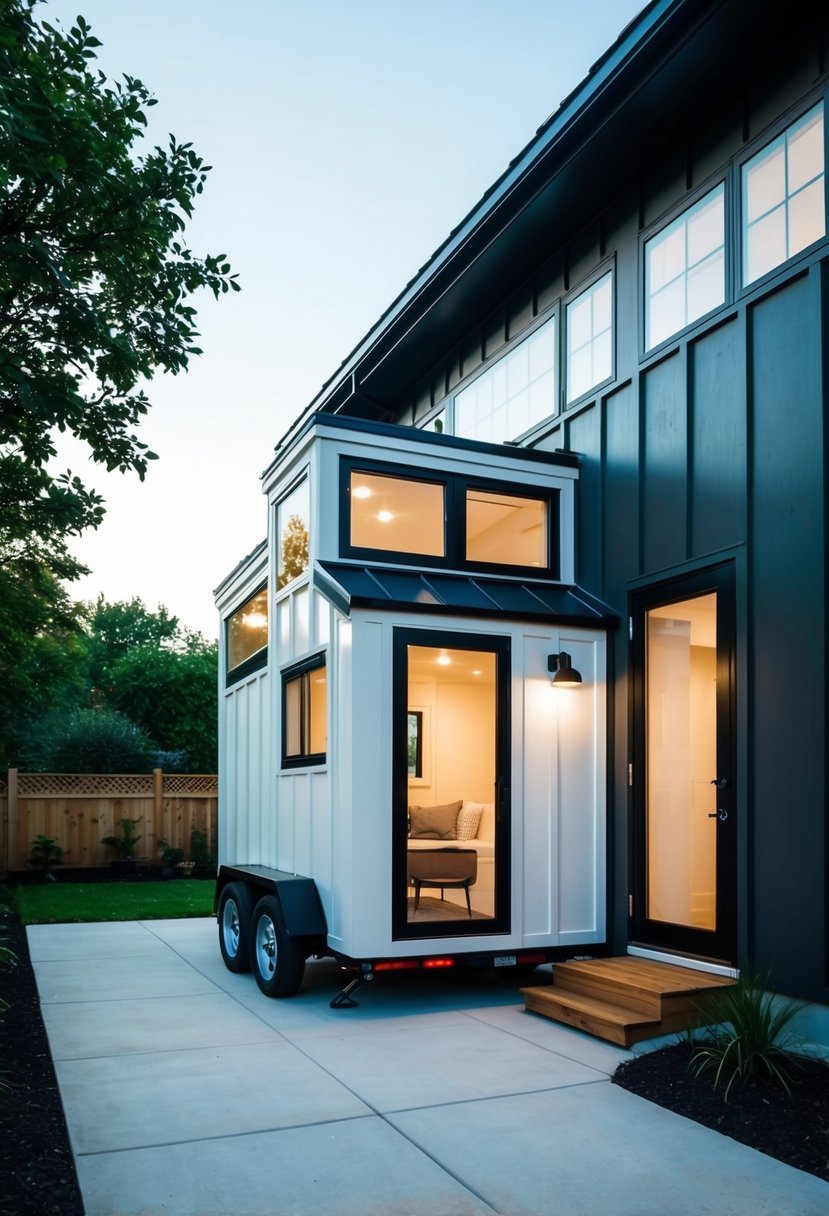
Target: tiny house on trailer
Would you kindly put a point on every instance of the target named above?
(403, 779)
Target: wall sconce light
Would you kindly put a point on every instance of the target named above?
(565, 675)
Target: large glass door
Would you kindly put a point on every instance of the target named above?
(683, 768)
(450, 835)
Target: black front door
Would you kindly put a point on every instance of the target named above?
(684, 853)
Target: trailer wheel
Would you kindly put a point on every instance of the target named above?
(234, 913)
(277, 960)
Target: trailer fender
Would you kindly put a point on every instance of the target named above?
(299, 899)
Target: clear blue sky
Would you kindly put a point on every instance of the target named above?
(347, 137)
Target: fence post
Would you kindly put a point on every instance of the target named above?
(158, 803)
(12, 812)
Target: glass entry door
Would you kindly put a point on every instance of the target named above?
(683, 769)
(450, 834)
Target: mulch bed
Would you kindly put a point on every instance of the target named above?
(37, 1170)
(794, 1127)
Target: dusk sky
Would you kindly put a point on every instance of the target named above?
(347, 139)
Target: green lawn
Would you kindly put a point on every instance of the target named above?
(58, 902)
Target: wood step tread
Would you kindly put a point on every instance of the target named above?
(646, 975)
(551, 997)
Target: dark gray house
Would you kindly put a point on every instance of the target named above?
(646, 289)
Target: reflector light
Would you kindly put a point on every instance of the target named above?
(438, 962)
(406, 964)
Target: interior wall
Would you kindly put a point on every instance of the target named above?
(459, 747)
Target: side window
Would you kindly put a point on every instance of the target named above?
(305, 713)
(590, 338)
(246, 637)
(685, 269)
(515, 394)
(396, 514)
(292, 515)
(784, 208)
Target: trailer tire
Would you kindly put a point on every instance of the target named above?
(277, 960)
(234, 915)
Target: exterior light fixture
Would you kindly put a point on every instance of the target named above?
(565, 674)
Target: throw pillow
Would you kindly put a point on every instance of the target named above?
(469, 820)
(434, 822)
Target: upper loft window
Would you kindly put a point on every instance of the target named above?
(685, 269)
(246, 637)
(396, 514)
(292, 515)
(784, 208)
(506, 529)
(515, 394)
(454, 521)
(590, 338)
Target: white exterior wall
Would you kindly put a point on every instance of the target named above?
(333, 822)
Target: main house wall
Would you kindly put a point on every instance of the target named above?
(712, 447)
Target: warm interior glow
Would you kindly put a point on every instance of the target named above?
(361, 492)
(404, 514)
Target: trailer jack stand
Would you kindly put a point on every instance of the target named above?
(343, 999)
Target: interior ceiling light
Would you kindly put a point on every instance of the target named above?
(385, 517)
(443, 660)
(361, 492)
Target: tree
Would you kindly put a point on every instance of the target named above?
(174, 698)
(294, 550)
(95, 277)
(116, 629)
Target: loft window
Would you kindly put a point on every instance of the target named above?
(590, 338)
(685, 269)
(397, 514)
(515, 394)
(453, 522)
(292, 515)
(246, 637)
(507, 529)
(784, 208)
(305, 713)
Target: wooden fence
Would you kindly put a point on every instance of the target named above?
(78, 809)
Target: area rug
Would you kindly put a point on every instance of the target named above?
(431, 909)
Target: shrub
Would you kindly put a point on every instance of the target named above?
(45, 854)
(88, 741)
(752, 1038)
(124, 845)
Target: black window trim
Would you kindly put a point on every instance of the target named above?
(454, 520)
(292, 672)
(254, 662)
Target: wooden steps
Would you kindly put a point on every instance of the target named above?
(625, 999)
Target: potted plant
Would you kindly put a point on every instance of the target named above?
(124, 845)
(171, 857)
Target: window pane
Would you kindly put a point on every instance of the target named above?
(806, 150)
(807, 217)
(292, 516)
(706, 287)
(293, 717)
(766, 244)
(666, 312)
(318, 718)
(666, 256)
(503, 402)
(765, 181)
(705, 228)
(590, 338)
(397, 514)
(247, 630)
(506, 529)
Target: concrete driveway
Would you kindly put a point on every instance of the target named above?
(188, 1092)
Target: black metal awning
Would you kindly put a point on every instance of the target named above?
(352, 585)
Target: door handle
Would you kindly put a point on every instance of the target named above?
(720, 782)
(720, 814)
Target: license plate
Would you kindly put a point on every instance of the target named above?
(504, 960)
